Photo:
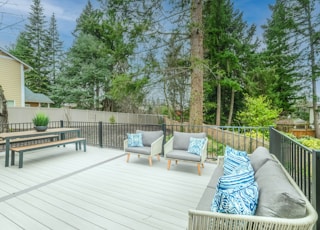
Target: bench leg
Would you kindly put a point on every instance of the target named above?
(85, 145)
(12, 157)
(20, 159)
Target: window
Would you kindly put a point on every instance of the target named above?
(10, 103)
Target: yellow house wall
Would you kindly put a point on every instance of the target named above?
(10, 79)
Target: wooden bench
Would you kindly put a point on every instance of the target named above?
(22, 149)
(26, 139)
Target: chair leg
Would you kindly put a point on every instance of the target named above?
(150, 160)
(128, 157)
(199, 169)
(169, 164)
(158, 157)
(202, 165)
(176, 162)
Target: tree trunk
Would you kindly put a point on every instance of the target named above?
(231, 107)
(3, 112)
(218, 112)
(196, 99)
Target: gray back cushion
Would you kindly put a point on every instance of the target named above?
(259, 156)
(148, 137)
(277, 197)
(181, 140)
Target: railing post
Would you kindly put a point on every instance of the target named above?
(316, 183)
(61, 123)
(100, 133)
(164, 129)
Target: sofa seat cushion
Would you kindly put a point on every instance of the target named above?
(278, 198)
(218, 172)
(183, 155)
(139, 150)
(148, 137)
(205, 201)
(181, 140)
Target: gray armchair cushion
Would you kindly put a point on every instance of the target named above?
(277, 197)
(148, 137)
(183, 155)
(140, 150)
(181, 140)
(259, 156)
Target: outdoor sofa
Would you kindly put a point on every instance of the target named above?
(281, 204)
(144, 143)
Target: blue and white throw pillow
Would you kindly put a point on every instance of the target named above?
(237, 193)
(135, 140)
(233, 158)
(195, 145)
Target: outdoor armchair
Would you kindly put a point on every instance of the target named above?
(144, 143)
(191, 147)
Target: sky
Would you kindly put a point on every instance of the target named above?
(14, 14)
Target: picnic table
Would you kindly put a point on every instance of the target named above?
(8, 137)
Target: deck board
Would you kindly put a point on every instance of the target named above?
(60, 188)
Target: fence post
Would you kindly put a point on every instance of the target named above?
(100, 133)
(315, 184)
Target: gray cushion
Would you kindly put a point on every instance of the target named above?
(277, 197)
(183, 155)
(148, 137)
(260, 156)
(139, 150)
(218, 172)
(181, 140)
(206, 199)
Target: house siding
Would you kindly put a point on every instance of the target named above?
(11, 79)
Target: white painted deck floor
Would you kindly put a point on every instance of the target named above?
(60, 188)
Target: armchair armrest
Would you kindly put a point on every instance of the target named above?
(125, 144)
(168, 146)
(204, 151)
(156, 146)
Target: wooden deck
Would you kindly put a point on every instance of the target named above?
(60, 188)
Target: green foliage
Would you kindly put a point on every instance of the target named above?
(112, 120)
(258, 112)
(40, 119)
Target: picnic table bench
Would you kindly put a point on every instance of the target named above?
(29, 139)
(21, 149)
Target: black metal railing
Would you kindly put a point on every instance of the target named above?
(302, 163)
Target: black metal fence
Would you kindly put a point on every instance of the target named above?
(302, 163)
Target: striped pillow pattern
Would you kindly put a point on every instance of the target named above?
(237, 193)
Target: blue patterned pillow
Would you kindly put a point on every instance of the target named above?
(195, 145)
(237, 193)
(233, 158)
(135, 140)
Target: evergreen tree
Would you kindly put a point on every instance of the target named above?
(54, 47)
(229, 47)
(37, 79)
(105, 39)
(280, 59)
(306, 34)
